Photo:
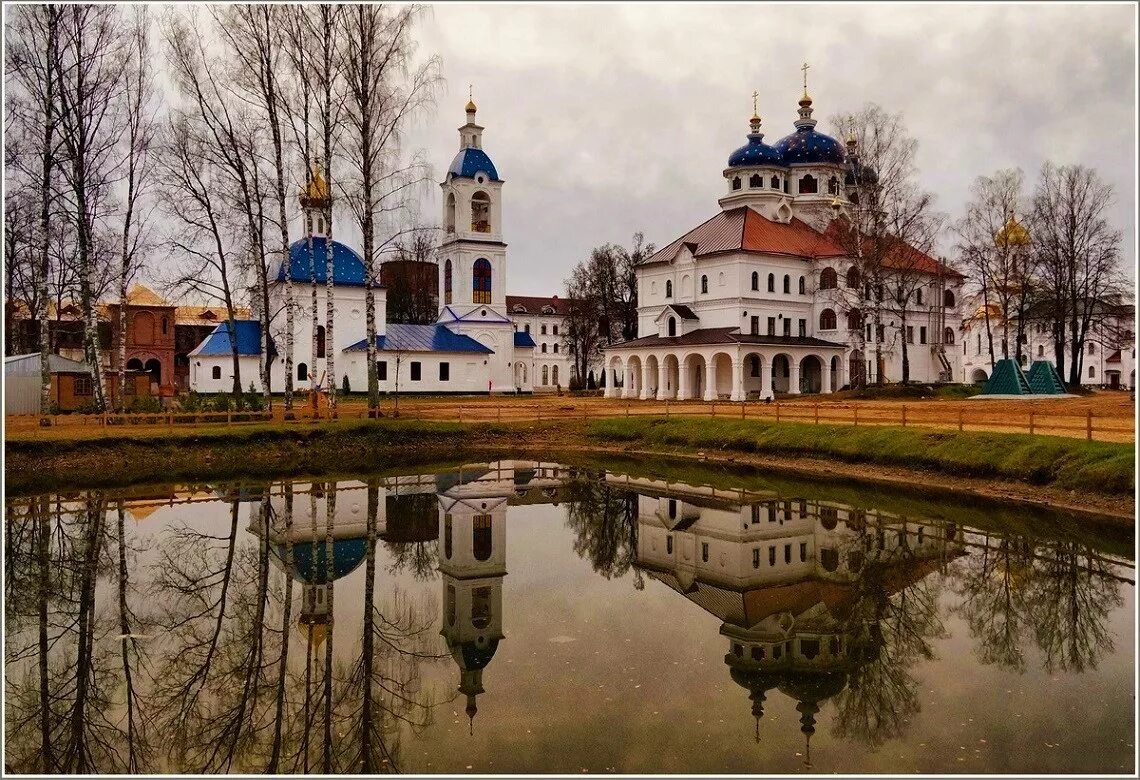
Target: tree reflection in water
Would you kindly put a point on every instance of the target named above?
(209, 645)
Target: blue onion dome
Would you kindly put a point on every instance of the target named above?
(310, 563)
(348, 267)
(470, 161)
(470, 656)
(806, 146)
(755, 152)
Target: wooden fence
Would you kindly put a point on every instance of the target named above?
(1086, 425)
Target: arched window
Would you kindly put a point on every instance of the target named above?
(543, 348)
(704, 284)
(948, 336)
(481, 281)
(808, 185)
(556, 348)
(546, 375)
(833, 186)
(451, 212)
(735, 182)
(1092, 372)
(1040, 350)
(787, 284)
(828, 279)
(447, 281)
(771, 283)
(302, 372)
(320, 341)
(948, 299)
(827, 320)
(672, 326)
(164, 326)
(918, 296)
(480, 212)
(755, 280)
(853, 278)
(554, 371)
(481, 537)
(854, 319)
(216, 372)
(668, 288)
(803, 286)
(775, 182)
(755, 180)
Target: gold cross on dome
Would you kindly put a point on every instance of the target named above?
(754, 96)
(471, 92)
(805, 70)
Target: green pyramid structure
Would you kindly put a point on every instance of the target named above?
(1044, 379)
(1007, 379)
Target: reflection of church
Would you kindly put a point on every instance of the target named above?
(786, 579)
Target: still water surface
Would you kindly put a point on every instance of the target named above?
(532, 617)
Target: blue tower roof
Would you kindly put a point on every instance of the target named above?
(348, 267)
(470, 161)
(807, 146)
(755, 152)
(218, 342)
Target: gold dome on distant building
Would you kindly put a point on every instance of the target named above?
(1012, 234)
(317, 188)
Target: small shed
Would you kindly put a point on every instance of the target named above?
(72, 387)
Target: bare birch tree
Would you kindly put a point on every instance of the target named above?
(386, 91)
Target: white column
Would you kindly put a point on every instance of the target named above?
(683, 381)
(766, 378)
(710, 380)
(645, 381)
(794, 378)
(627, 382)
(611, 383)
(661, 379)
(825, 377)
(738, 380)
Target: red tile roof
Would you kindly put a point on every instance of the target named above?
(743, 229)
(532, 304)
(899, 254)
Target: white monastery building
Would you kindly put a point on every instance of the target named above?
(482, 342)
(762, 297)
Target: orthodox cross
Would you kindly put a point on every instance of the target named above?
(754, 96)
(805, 70)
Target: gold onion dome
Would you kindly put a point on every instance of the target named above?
(1012, 234)
(470, 105)
(317, 188)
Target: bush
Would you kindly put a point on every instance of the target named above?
(253, 400)
(145, 403)
(344, 387)
(190, 402)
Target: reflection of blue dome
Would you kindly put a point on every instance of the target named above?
(755, 152)
(348, 267)
(347, 555)
(807, 146)
(471, 161)
(469, 657)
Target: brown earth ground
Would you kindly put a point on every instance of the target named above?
(1110, 414)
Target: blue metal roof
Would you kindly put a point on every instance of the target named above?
(755, 152)
(422, 338)
(218, 342)
(807, 146)
(470, 161)
(523, 339)
(348, 267)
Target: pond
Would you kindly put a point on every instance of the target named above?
(517, 616)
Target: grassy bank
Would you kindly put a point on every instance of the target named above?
(1069, 464)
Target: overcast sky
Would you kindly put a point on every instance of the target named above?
(608, 119)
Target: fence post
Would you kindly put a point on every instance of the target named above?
(817, 414)
(959, 421)
(742, 410)
(1030, 422)
(627, 408)
(1088, 425)
(713, 406)
(856, 408)
(666, 407)
(499, 412)
(904, 415)
(227, 417)
(777, 411)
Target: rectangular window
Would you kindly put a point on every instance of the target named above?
(771, 556)
(771, 326)
(922, 335)
(803, 551)
(83, 385)
(755, 513)
(803, 328)
(755, 557)
(554, 329)
(669, 545)
(705, 552)
(415, 370)
(881, 335)
(787, 553)
(527, 327)
(444, 372)
(755, 326)
(787, 327)
(909, 334)
(382, 370)
(868, 332)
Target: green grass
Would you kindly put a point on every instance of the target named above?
(898, 392)
(1041, 460)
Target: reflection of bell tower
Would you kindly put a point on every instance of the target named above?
(472, 563)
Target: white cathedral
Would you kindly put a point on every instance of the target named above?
(762, 297)
(475, 345)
